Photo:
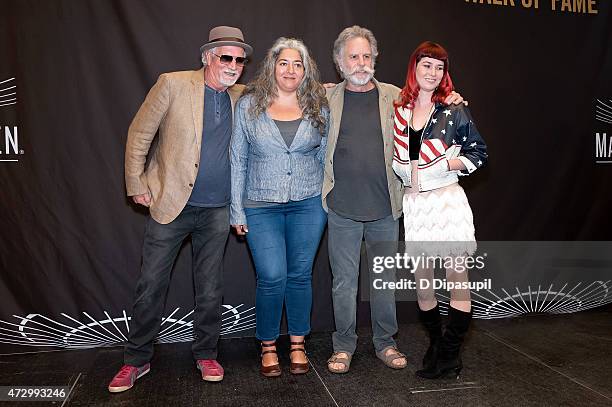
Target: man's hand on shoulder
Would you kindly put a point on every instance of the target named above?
(142, 199)
(455, 98)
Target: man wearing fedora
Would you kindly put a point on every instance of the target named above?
(186, 187)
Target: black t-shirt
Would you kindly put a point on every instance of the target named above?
(360, 191)
(414, 143)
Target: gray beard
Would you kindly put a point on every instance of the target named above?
(228, 83)
(350, 77)
(359, 82)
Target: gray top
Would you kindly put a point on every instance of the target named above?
(212, 187)
(361, 191)
(288, 129)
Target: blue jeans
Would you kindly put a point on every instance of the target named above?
(283, 240)
(344, 243)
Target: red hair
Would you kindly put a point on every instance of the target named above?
(411, 89)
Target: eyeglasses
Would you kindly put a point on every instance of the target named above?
(227, 59)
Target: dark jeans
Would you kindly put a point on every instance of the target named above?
(209, 229)
(283, 240)
(344, 244)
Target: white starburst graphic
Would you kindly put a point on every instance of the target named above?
(490, 304)
(8, 92)
(41, 331)
(603, 111)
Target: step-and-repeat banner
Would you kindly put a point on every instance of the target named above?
(537, 75)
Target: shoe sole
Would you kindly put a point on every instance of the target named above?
(448, 374)
(124, 388)
(275, 374)
(212, 378)
(301, 368)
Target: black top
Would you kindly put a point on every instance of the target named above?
(360, 191)
(414, 143)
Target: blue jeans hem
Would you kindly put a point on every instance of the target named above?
(266, 339)
(302, 333)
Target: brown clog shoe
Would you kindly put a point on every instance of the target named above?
(298, 368)
(272, 370)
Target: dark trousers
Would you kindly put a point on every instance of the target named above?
(209, 229)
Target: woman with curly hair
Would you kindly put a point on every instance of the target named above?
(434, 144)
(277, 154)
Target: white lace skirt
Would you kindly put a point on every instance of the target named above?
(443, 216)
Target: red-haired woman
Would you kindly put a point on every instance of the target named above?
(434, 143)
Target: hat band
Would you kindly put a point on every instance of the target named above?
(234, 39)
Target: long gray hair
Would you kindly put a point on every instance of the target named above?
(310, 93)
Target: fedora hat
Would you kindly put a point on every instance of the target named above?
(223, 36)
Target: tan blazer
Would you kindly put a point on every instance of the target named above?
(386, 95)
(175, 107)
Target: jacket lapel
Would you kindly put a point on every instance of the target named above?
(336, 105)
(384, 109)
(197, 105)
(234, 93)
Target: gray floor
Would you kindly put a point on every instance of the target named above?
(539, 360)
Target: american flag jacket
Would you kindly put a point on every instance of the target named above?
(449, 133)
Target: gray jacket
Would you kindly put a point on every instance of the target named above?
(265, 169)
(387, 94)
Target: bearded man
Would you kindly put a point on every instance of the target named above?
(362, 194)
(186, 187)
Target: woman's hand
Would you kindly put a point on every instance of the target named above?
(455, 164)
(241, 230)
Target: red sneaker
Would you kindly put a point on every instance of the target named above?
(211, 370)
(127, 375)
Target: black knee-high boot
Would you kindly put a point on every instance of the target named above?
(448, 360)
(433, 323)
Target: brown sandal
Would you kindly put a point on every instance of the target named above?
(272, 370)
(298, 368)
(388, 359)
(345, 362)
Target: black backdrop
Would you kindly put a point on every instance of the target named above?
(70, 239)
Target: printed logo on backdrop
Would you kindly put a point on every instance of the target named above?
(603, 138)
(82, 332)
(9, 134)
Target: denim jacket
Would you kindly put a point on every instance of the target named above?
(264, 168)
